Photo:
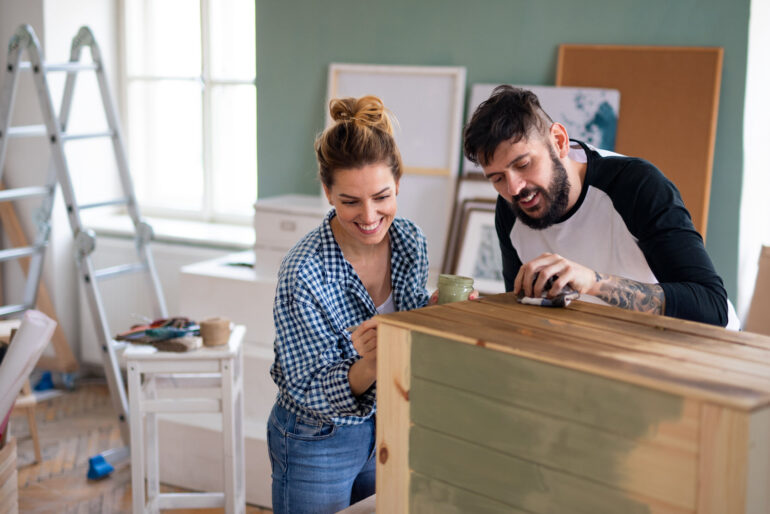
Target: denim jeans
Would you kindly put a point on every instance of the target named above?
(319, 467)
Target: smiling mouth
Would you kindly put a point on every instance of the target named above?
(368, 229)
(526, 201)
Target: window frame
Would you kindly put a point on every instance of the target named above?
(207, 84)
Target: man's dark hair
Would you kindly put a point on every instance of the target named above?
(510, 113)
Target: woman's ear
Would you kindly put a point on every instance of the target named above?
(328, 194)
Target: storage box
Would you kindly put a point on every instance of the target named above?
(9, 479)
(493, 406)
(280, 221)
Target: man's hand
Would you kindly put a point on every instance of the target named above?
(534, 275)
(615, 290)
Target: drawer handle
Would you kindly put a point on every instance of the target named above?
(288, 226)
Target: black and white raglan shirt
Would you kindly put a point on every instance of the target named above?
(629, 221)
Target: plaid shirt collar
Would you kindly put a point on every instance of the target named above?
(403, 252)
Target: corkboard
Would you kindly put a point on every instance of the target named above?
(669, 97)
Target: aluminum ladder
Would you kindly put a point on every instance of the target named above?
(54, 129)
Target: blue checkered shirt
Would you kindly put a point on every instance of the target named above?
(319, 295)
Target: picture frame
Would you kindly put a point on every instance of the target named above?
(478, 251)
(590, 114)
(427, 104)
(456, 225)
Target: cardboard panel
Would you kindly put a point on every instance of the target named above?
(670, 102)
(758, 319)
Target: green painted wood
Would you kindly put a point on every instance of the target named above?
(510, 480)
(623, 408)
(429, 496)
(562, 444)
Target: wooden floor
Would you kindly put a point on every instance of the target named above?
(74, 427)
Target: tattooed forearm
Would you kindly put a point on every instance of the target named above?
(630, 294)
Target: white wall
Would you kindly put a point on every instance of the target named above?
(755, 205)
(55, 22)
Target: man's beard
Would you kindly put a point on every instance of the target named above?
(556, 198)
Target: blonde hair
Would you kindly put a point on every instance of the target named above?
(362, 134)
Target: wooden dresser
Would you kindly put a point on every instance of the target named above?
(492, 406)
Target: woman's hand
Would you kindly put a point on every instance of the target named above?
(365, 340)
(363, 372)
(433, 300)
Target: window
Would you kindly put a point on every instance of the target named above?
(191, 109)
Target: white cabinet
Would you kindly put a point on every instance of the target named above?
(236, 287)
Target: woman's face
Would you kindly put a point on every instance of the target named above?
(365, 200)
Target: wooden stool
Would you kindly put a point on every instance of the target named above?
(209, 379)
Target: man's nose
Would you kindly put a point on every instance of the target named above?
(514, 183)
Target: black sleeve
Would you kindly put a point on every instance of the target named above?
(504, 220)
(652, 208)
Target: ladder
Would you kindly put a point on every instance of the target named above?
(55, 130)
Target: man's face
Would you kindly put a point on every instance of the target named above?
(530, 176)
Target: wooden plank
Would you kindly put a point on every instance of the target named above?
(665, 323)
(9, 482)
(758, 473)
(678, 348)
(561, 444)
(7, 460)
(430, 496)
(688, 379)
(517, 482)
(723, 461)
(393, 384)
(666, 94)
(9, 497)
(557, 391)
(65, 360)
(735, 461)
(736, 349)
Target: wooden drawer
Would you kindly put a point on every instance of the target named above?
(492, 406)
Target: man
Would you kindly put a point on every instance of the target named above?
(608, 226)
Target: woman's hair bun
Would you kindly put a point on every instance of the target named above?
(368, 111)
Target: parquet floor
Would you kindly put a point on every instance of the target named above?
(74, 427)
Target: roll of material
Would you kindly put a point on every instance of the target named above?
(215, 331)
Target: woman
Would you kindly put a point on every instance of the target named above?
(361, 261)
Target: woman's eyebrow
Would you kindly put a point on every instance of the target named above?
(378, 193)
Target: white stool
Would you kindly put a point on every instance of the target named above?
(209, 379)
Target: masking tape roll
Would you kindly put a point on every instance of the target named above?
(215, 331)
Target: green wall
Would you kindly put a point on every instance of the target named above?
(497, 41)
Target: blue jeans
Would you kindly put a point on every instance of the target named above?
(319, 467)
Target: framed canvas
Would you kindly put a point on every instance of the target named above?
(427, 102)
(589, 114)
(478, 254)
(458, 217)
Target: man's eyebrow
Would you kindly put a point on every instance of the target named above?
(510, 164)
(520, 157)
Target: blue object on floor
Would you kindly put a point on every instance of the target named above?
(45, 383)
(68, 381)
(98, 467)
